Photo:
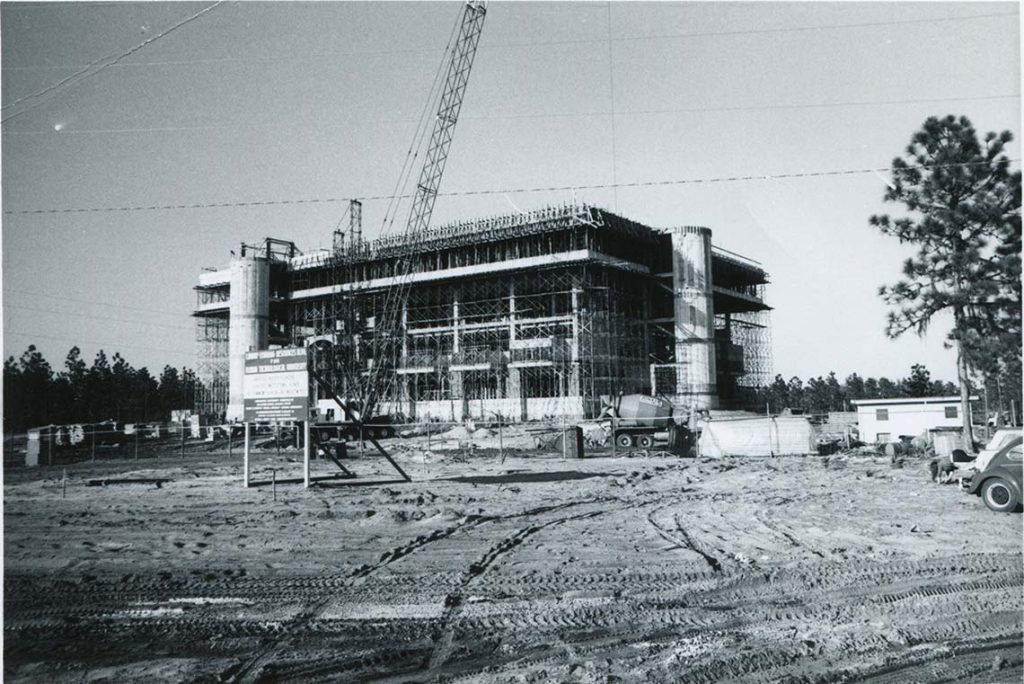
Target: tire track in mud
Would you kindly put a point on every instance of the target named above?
(444, 631)
(252, 668)
(685, 542)
(685, 610)
(692, 615)
(95, 602)
(960, 659)
(453, 602)
(25, 593)
(642, 605)
(92, 600)
(776, 529)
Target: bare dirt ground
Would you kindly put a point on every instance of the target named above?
(539, 569)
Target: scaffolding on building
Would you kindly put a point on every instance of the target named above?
(523, 315)
(527, 336)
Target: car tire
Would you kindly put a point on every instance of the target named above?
(624, 441)
(645, 441)
(999, 496)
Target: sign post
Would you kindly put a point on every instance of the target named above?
(276, 388)
(245, 457)
(306, 449)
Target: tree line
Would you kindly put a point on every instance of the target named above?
(111, 389)
(824, 394)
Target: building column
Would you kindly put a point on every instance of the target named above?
(403, 385)
(513, 383)
(694, 317)
(574, 352)
(249, 311)
(455, 377)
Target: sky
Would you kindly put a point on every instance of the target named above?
(255, 102)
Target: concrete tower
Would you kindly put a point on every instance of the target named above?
(249, 311)
(695, 317)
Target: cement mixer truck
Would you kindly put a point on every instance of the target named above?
(637, 417)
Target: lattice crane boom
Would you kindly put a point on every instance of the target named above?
(448, 110)
(388, 329)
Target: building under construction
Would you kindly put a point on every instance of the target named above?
(523, 316)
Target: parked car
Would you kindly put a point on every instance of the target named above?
(1000, 438)
(999, 484)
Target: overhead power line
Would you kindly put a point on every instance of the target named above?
(85, 72)
(496, 191)
(535, 43)
(552, 115)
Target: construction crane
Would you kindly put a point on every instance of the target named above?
(388, 327)
(385, 347)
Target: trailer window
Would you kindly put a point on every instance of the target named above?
(951, 411)
(881, 414)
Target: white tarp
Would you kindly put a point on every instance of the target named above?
(777, 436)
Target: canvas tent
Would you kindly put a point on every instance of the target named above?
(782, 435)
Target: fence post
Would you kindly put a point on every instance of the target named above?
(64, 484)
(136, 441)
(49, 445)
(94, 443)
(229, 440)
(277, 439)
(182, 428)
(565, 441)
(273, 482)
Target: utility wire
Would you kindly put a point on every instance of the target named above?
(498, 191)
(575, 41)
(556, 115)
(85, 72)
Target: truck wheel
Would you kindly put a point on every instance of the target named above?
(645, 441)
(999, 496)
(624, 441)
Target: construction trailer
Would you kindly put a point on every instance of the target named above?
(524, 315)
(886, 420)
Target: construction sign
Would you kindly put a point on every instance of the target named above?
(276, 385)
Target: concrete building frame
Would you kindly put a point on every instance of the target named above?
(524, 315)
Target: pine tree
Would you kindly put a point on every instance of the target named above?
(76, 374)
(919, 384)
(963, 214)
